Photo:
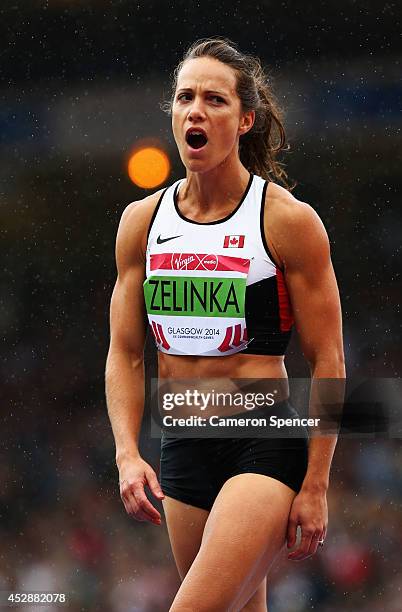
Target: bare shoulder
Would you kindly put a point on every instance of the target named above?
(291, 225)
(139, 213)
(281, 206)
(133, 227)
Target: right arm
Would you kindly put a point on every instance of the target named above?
(124, 375)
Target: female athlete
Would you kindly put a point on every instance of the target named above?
(231, 504)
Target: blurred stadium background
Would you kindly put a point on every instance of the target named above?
(81, 83)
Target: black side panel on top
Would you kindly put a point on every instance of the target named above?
(262, 319)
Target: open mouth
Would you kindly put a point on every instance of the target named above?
(196, 139)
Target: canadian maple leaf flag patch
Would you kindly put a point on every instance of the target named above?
(234, 241)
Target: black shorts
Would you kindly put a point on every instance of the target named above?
(193, 470)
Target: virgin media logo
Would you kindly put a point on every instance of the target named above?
(194, 261)
(198, 261)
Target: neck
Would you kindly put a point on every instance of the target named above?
(213, 190)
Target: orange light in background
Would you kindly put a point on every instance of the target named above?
(148, 167)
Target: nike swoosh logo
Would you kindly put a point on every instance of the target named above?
(160, 240)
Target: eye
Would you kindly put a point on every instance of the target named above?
(217, 98)
(182, 95)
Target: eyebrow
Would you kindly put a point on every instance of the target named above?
(208, 91)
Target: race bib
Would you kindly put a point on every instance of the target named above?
(196, 303)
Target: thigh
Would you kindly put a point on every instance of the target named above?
(185, 525)
(243, 534)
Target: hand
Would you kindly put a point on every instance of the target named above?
(134, 474)
(310, 511)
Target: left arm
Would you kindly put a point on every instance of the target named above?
(301, 245)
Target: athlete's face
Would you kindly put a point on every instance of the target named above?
(206, 98)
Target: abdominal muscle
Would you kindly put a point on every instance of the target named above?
(231, 366)
(237, 366)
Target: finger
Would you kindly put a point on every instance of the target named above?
(301, 552)
(314, 543)
(144, 503)
(291, 533)
(142, 516)
(322, 536)
(134, 509)
(130, 503)
(312, 549)
(154, 484)
(131, 507)
(135, 497)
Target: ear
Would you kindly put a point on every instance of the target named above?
(246, 122)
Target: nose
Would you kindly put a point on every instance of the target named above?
(196, 110)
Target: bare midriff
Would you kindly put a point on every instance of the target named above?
(235, 366)
(232, 366)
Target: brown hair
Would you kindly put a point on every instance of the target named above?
(260, 146)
